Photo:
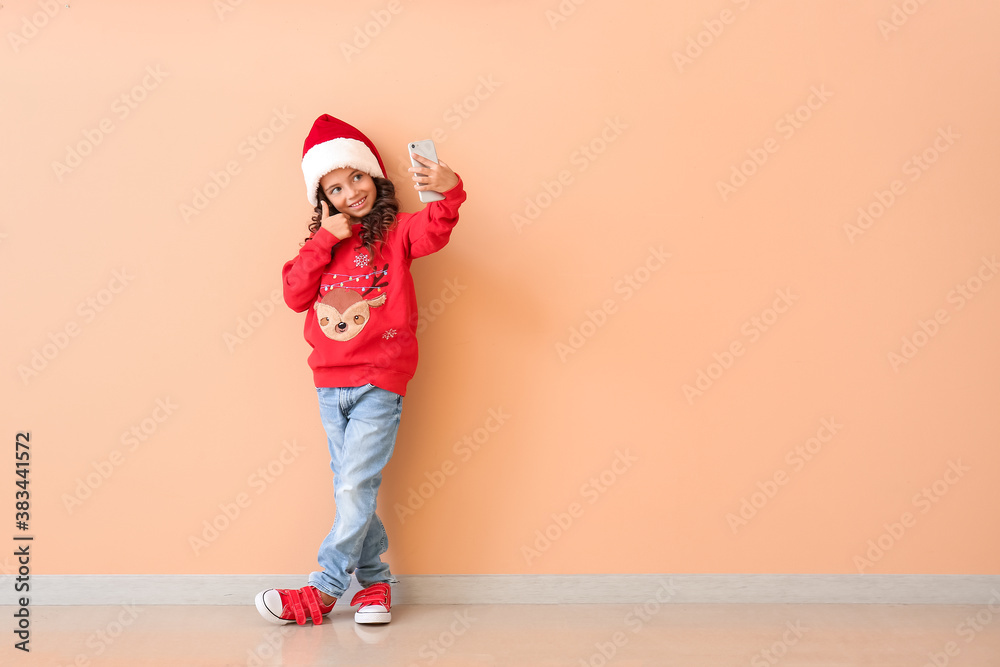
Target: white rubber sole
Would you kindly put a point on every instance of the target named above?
(372, 617)
(268, 615)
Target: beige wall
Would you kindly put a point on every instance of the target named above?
(660, 340)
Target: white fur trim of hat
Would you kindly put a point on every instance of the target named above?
(323, 158)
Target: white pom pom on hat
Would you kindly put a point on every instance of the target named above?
(333, 144)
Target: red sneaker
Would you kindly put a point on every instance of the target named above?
(375, 604)
(284, 605)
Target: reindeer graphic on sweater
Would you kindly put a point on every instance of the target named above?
(343, 312)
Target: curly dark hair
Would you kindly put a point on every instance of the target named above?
(375, 225)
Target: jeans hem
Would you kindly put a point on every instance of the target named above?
(391, 581)
(320, 586)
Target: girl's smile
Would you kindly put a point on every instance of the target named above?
(351, 191)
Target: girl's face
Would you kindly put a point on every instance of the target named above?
(351, 192)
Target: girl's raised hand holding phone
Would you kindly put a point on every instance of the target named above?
(436, 176)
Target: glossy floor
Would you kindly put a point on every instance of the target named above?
(685, 635)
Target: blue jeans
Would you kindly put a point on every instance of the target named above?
(361, 425)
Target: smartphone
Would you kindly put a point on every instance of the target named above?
(425, 149)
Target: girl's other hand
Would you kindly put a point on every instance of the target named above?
(436, 176)
(339, 225)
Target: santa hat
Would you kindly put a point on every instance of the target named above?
(333, 144)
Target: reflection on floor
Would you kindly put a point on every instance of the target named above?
(686, 635)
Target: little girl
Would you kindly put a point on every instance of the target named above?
(352, 279)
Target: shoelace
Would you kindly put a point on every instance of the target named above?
(294, 598)
(374, 594)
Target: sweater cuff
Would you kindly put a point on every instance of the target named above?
(325, 238)
(458, 187)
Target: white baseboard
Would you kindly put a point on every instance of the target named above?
(212, 589)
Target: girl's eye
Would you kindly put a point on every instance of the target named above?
(357, 177)
(335, 191)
